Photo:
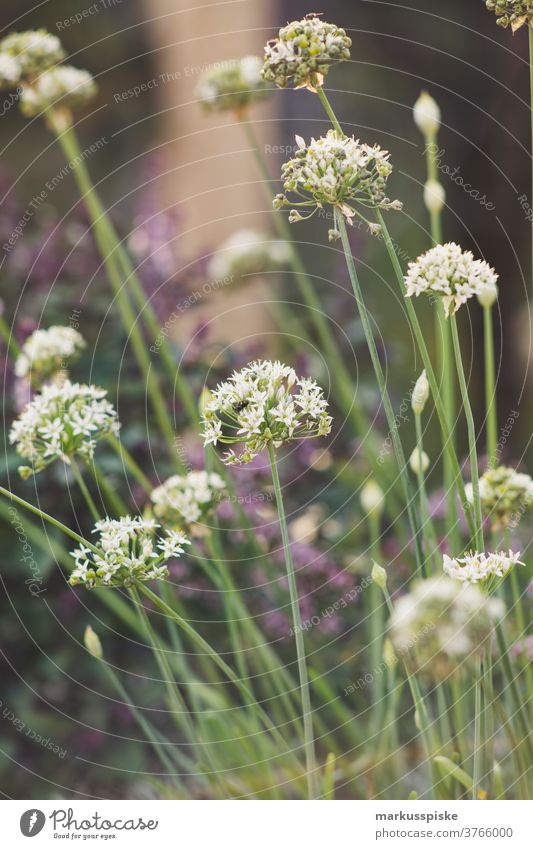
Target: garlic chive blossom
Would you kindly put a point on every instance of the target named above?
(449, 273)
(339, 172)
(63, 86)
(130, 550)
(60, 422)
(303, 53)
(24, 55)
(481, 568)
(264, 404)
(511, 12)
(232, 85)
(443, 626)
(185, 501)
(505, 495)
(47, 352)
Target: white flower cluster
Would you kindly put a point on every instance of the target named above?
(513, 12)
(23, 55)
(64, 86)
(339, 171)
(303, 53)
(481, 568)
(451, 273)
(46, 352)
(232, 85)
(60, 422)
(442, 625)
(184, 501)
(264, 403)
(248, 253)
(504, 493)
(129, 550)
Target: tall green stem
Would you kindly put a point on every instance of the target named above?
(490, 386)
(428, 535)
(130, 463)
(477, 731)
(472, 442)
(329, 111)
(67, 139)
(312, 775)
(387, 404)
(430, 372)
(530, 31)
(83, 488)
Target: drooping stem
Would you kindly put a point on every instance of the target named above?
(47, 518)
(384, 392)
(490, 386)
(471, 428)
(312, 775)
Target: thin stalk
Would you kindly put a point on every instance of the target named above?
(68, 143)
(387, 404)
(488, 722)
(179, 709)
(426, 732)
(516, 698)
(490, 386)
(312, 776)
(47, 518)
(432, 174)
(229, 602)
(83, 488)
(446, 369)
(130, 463)
(101, 222)
(476, 775)
(12, 345)
(428, 365)
(530, 31)
(431, 546)
(208, 650)
(112, 497)
(340, 375)
(330, 113)
(376, 630)
(472, 444)
(149, 732)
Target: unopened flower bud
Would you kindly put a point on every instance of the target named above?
(372, 498)
(426, 114)
(414, 462)
(487, 295)
(379, 575)
(92, 643)
(420, 394)
(434, 196)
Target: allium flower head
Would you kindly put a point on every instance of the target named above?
(60, 422)
(130, 549)
(247, 253)
(65, 86)
(511, 12)
(46, 352)
(264, 403)
(233, 85)
(505, 495)
(442, 626)
(303, 53)
(185, 501)
(451, 273)
(23, 55)
(481, 568)
(340, 172)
